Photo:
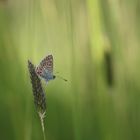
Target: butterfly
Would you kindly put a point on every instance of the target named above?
(45, 69)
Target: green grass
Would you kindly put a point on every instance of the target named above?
(78, 34)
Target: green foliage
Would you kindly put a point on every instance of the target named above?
(95, 44)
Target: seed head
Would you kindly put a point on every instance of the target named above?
(38, 93)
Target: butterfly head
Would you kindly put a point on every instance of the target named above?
(54, 76)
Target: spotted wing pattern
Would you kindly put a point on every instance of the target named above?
(45, 68)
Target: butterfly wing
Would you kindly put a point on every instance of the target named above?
(47, 63)
(45, 68)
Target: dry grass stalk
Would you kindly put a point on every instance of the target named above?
(39, 95)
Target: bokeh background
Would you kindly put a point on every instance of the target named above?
(95, 44)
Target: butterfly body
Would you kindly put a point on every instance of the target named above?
(45, 68)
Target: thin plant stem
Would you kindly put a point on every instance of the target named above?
(39, 95)
(42, 124)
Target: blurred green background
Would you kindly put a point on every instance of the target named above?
(95, 44)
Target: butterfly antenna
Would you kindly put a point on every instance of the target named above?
(61, 78)
(56, 72)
